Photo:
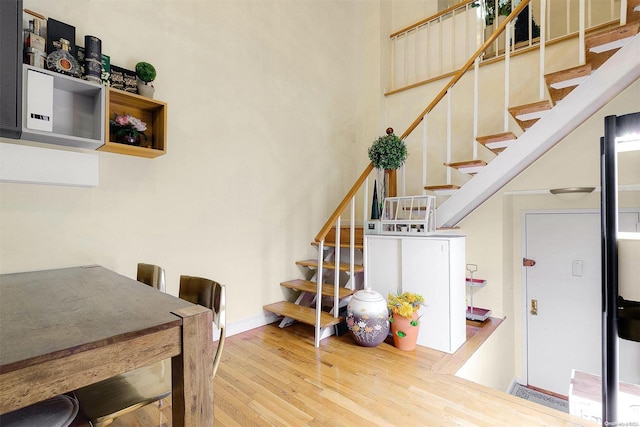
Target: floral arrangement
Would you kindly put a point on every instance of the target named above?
(404, 304)
(388, 152)
(126, 125)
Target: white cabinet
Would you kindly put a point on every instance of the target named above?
(432, 266)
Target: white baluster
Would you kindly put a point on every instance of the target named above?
(476, 72)
(319, 292)
(424, 153)
(448, 135)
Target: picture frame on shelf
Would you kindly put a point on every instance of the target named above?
(123, 79)
(57, 30)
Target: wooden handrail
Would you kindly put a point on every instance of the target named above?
(343, 204)
(356, 186)
(432, 18)
(466, 67)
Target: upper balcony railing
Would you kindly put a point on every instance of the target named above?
(438, 46)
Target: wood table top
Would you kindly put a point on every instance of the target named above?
(49, 314)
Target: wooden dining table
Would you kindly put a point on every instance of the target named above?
(66, 328)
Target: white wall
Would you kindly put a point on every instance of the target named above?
(269, 104)
(491, 365)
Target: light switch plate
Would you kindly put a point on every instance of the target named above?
(576, 267)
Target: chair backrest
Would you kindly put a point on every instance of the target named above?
(210, 294)
(153, 276)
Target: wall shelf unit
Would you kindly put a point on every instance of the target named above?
(78, 109)
(150, 111)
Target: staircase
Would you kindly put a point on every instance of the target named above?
(336, 268)
(574, 95)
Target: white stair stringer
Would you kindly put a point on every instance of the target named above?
(611, 78)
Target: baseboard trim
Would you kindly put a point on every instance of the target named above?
(249, 323)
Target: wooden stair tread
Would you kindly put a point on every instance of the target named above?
(561, 83)
(596, 56)
(527, 115)
(611, 39)
(470, 166)
(302, 314)
(467, 163)
(441, 187)
(568, 76)
(345, 232)
(497, 142)
(342, 245)
(357, 268)
(307, 286)
(534, 107)
(633, 10)
(505, 136)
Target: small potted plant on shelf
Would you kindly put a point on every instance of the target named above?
(404, 319)
(129, 130)
(145, 75)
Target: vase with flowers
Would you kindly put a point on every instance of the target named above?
(404, 319)
(127, 129)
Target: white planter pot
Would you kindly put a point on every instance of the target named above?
(144, 89)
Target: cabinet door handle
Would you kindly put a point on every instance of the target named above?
(534, 307)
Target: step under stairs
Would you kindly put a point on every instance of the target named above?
(303, 309)
(575, 95)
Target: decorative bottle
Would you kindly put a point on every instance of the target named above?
(62, 61)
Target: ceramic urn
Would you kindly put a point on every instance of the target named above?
(368, 318)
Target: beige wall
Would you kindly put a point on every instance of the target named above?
(269, 104)
(491, 365)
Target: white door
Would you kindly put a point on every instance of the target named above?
(563, 294)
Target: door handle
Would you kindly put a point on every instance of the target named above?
(534, 307)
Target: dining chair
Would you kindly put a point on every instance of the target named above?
(106, 400)
(210, 294)
(58, 411)
(152, 275)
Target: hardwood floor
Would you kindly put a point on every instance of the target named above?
(274, 377)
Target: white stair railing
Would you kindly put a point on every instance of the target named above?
(430, 48)
(361, 190)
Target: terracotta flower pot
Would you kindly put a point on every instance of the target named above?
(405, 331)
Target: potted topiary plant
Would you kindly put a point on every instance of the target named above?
(145, 75)
(387, 152)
